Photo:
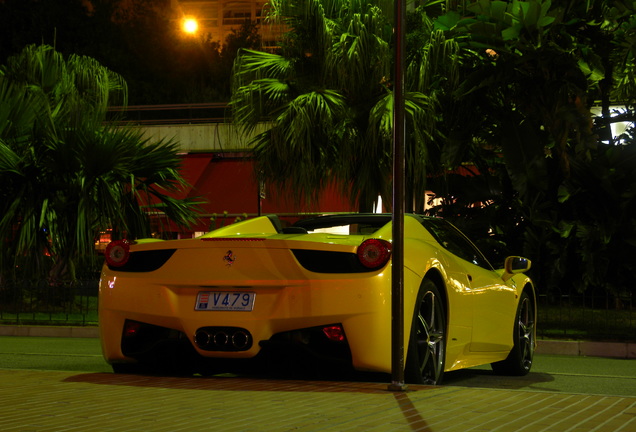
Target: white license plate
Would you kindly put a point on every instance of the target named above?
(225, 301)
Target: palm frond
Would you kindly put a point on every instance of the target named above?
(332, 109)
(66, 177)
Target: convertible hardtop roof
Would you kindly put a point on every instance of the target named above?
(376, 220)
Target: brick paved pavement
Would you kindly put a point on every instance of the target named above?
(42, 401)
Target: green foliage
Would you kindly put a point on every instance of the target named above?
(597, 204)
(65, 175)
(322, 91)
(329, 95)
(568, 197)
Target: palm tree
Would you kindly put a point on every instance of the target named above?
(328, 95)
(65, 175)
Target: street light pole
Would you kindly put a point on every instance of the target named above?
(397, 269)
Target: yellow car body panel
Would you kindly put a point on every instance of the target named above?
(255, 257)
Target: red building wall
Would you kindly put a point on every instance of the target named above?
(227, 183)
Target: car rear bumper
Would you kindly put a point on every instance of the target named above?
(285, 316)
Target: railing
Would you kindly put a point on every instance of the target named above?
(38, 302)
(591, 317)
(578, 317)
(169, 114)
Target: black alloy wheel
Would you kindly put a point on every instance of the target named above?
(427, 343)
(519, 361)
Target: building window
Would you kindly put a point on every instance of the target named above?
(236, 13)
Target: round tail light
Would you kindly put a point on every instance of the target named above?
(374, 253)
(117, 253)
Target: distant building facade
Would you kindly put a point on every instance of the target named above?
(217, 18)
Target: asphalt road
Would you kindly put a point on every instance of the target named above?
(553, 373)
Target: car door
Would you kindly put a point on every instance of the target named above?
(493, 300)
(494, 308)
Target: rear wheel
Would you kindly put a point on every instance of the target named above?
(519, 361)
(427, 343)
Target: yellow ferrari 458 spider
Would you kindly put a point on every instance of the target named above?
(319, 292)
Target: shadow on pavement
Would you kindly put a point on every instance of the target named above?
(237, 383)
(488, 379)
(362, 384)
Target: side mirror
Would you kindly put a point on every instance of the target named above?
(514, 265)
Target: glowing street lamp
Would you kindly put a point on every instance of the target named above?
(190, 25)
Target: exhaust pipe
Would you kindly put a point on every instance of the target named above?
(223, 339)
(240, 340)
(220, 339)
(202, 339)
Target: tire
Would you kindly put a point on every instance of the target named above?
(427, 344)
(519, 361)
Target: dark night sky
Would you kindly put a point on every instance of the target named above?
(140, 43)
